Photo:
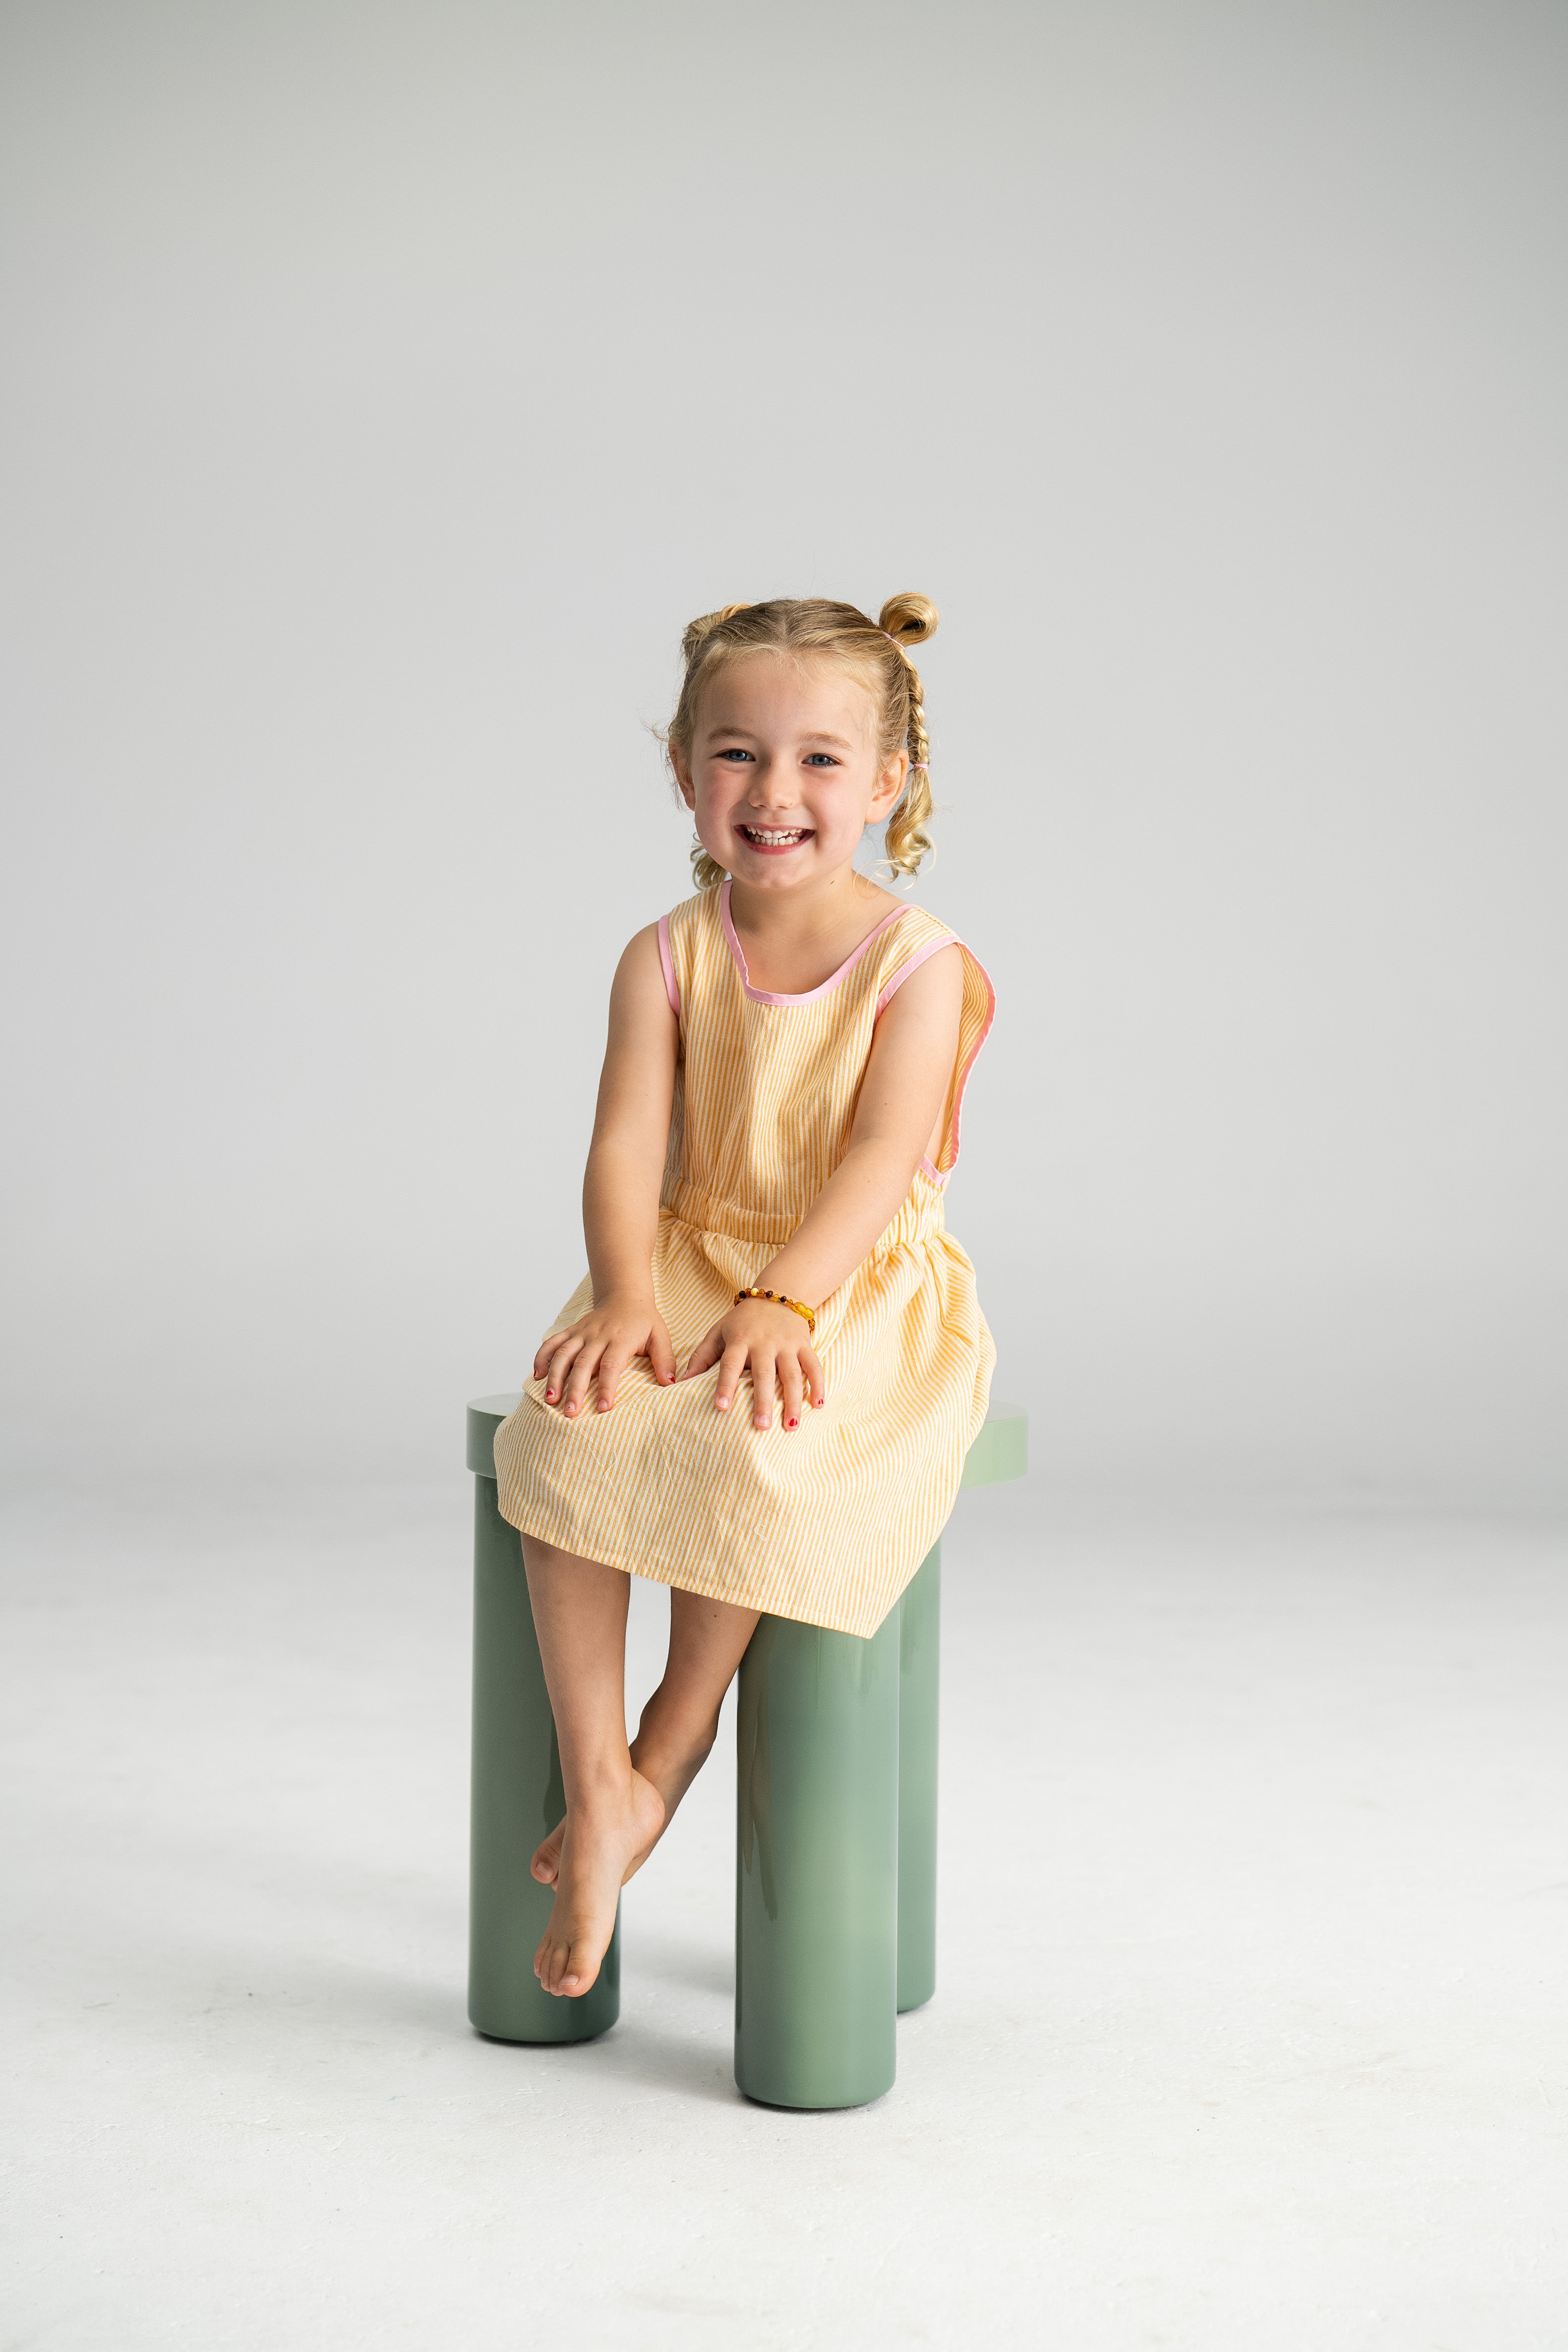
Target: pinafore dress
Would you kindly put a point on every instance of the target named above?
(828, 1522)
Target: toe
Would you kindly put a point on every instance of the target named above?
(546, 1864)
(579, 1972)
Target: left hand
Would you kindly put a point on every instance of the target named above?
(774, 1344)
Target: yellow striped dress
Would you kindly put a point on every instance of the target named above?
(827, 1523)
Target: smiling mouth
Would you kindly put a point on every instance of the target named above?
(772, 836)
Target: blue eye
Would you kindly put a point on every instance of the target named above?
(734, 755)
(824, 758)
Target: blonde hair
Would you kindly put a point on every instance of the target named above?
(816, 624)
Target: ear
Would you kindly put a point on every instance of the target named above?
(682, 774)
(889, 784)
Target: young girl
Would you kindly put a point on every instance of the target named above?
(763, 1393)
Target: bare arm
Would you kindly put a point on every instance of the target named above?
(631, 1127)
(620, 1193)
(902, 1095)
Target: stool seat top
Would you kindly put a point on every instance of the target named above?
(1000, 1450)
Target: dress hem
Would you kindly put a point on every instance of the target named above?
(657, 1573)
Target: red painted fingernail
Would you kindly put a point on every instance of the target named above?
(548, 1396)
(793, 1422)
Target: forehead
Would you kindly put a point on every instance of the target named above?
(799, 694)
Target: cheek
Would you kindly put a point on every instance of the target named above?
(720, 794)
(841, 808)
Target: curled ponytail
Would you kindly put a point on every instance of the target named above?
(910, 620)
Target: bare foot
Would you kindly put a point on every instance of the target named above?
(546, 1864)
(600, 1839)
(672, 1773)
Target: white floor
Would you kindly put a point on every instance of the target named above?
(1251, 2029)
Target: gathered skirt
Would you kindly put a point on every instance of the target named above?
(826, 1523)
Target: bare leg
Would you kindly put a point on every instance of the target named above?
(613, 1813)
(681, 1721)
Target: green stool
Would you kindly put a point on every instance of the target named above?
(836, 1865)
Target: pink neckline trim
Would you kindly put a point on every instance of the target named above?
(810, 995)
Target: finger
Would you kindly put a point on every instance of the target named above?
(612, 1364)
(733, 1364)
(764, 1384)
(816, 1379)
(558, 1366)
(706, 1354)
(545, 1350)
(582, 1373)
(792, 1383)
(660, 1354)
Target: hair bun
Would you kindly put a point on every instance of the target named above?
(909, 618)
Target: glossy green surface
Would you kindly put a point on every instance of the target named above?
(1001, 1448)
(486, 1416)
(517, 1798)
(919, 1654)
(817, 1903)
(836, 1881)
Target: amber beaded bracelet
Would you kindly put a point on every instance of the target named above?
(780, 1301)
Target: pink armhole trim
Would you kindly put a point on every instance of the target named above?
(922, 955)
(667, 967)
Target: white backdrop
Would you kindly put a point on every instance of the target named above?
(387, 386)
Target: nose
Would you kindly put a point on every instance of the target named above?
(773, 785)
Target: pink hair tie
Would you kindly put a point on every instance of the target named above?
(917, 763)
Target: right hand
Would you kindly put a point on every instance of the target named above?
(601, 1344)
(768, 1339)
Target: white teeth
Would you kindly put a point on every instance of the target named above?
(772, 840)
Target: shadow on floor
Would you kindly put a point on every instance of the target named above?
(669, 1959)
(684, 2065)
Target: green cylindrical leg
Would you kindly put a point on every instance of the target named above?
(816, 1903)
(517, 1799)
(920, 1644)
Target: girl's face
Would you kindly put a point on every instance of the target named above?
(784, 772)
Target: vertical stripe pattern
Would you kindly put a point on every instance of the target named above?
(827, 1523)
